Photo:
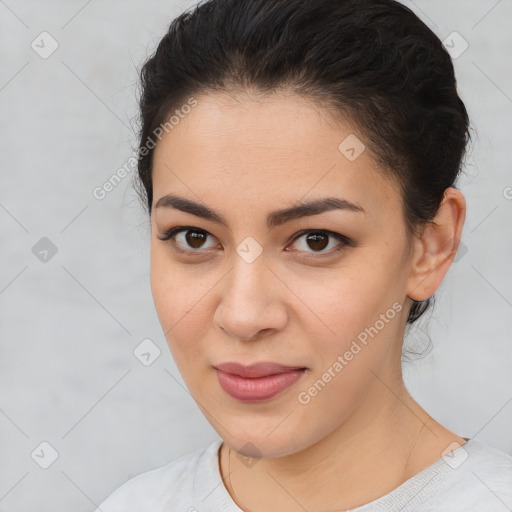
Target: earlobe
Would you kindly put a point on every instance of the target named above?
(435, 251)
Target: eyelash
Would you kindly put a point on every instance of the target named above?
(169, 235)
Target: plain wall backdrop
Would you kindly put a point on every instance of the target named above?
(75, 298)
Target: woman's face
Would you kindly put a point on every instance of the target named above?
(245, 286)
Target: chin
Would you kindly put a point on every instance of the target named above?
(263, 447)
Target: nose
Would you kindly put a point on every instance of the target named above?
(252, 301)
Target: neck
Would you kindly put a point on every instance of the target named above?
(383, 448)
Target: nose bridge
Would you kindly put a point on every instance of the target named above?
(249, 267)
(246, 299)
(246, 282)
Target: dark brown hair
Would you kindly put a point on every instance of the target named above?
(371, 61)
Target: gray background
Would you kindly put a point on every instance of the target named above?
(69, 325)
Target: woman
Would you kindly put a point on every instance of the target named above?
(299, 160)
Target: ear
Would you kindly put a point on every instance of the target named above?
(437, 247)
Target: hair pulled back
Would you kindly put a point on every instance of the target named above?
(371, 61)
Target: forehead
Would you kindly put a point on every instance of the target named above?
(245, 122)
(274, 149)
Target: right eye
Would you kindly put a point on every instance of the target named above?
(186, 238)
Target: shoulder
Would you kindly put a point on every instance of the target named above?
(478, 477)
(487, 465)
(475, 477)
(174, 483)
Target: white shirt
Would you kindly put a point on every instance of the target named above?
(473, 478)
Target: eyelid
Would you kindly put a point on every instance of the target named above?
(344, 240)
(333, 234)
(168, 236)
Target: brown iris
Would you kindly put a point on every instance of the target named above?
(315, 239)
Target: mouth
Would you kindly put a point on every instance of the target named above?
(257, 382)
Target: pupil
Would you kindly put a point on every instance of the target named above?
(314, 237)
(194, 239)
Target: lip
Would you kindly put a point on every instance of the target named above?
(262, 369)
(256, 382)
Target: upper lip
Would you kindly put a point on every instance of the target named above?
(262, 369)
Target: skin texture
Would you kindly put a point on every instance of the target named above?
(297, 303)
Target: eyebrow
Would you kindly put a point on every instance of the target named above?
(274, 219)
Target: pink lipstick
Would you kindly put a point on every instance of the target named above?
(256, 382)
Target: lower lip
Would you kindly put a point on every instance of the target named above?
(257, 389)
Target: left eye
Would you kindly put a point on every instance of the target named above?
(318, 240)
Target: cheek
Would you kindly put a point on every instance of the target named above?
(349, 299)
(359, 308)
(180, 297)
(366, 326)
